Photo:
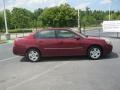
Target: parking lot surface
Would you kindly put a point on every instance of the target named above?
(60, 73)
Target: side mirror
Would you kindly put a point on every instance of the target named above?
(76, 37)
(86, 35)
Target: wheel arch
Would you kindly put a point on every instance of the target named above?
(33, 48)
(94, 45)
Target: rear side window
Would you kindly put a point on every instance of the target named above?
(45, 34)
(65, 34)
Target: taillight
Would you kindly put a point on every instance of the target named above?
(14, 42)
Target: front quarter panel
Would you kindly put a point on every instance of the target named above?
(86, 43)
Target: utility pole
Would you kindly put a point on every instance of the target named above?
(6, 28)
(79, 21)
(109, 11)
(5, 19)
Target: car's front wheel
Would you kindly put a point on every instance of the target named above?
(33, 55)
(94, 52)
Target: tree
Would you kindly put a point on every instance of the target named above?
(21, 18)
(9, 16)
(36, 14)
(59, 16)
(1, 21)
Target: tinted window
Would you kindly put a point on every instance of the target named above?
(64, 34)
(46, 34)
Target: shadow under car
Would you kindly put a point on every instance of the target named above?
(112, 55)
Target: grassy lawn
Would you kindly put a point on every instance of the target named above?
(17, 31)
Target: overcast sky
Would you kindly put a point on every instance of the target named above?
(34, 4)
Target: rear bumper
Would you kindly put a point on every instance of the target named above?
(18, 51)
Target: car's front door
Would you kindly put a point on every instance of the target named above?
(69, 44)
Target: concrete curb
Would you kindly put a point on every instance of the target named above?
(6, 41)
(1, 42)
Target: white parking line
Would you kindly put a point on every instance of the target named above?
(36, 76)
(7, 59)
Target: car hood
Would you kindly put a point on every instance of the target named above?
(107, 40)
(93, 38)
(98, 38)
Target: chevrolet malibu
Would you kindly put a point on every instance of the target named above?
(60, 42)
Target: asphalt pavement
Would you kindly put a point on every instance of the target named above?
(60, 73)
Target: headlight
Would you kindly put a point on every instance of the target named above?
(108, 41)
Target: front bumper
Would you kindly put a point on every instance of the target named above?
(107, 49)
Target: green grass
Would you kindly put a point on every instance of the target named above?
(17, 31)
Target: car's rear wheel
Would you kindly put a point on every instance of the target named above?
(94, 52)
(33, 55)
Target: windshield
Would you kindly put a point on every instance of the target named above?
(80, 34)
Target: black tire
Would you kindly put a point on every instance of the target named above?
(94, 52)
(33, 55)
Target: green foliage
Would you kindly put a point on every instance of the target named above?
(21, 18)
(1, 21)
(58, 16)
(36, 14)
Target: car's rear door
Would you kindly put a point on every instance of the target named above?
(48, 44)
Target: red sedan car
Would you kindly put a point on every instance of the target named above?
(60, 42)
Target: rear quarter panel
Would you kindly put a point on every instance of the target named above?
(22, 44)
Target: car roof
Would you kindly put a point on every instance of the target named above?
(54, 29)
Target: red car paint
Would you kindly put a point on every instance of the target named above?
(59, 46)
